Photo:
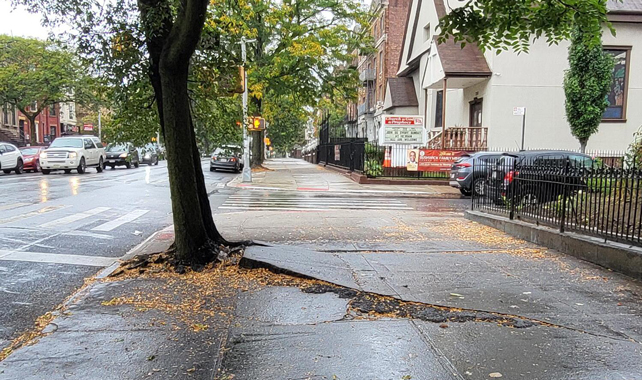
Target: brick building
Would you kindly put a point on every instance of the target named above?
(47, 125)
(387, 29)
(9, 124)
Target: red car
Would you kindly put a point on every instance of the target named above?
(31, 155)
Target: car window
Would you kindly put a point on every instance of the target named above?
(89, 144)
(10, 148)
(66, 143)
(29, 151)
(115, 148)
(581, 161)
(2, 148)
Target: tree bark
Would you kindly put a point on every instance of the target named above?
(32, 129)
(583, 145)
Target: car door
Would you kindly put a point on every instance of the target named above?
(4, 157)
(90, 150)
(12, 154)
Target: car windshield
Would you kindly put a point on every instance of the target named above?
(29, 151)
(116, 148)
(227, 152)
(66, 143)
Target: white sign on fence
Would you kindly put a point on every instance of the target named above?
(519, 111)
(403, 129)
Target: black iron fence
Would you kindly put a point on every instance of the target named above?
(570, 192)
(345, 153)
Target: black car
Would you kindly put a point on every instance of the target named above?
(121, 154)
(227, 158)
(148, 155)
(462, 176)
(533, 177)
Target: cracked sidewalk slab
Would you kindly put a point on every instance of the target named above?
(552, 288)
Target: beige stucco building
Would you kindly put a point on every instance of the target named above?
(482, 89)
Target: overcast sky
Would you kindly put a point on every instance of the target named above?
(19, 22)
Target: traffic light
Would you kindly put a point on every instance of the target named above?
(256, 124)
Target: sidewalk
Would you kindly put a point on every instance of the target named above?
(298, 175)
(447, 299)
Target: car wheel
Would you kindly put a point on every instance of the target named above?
(67, 171)
(46, 171)
(128, 165)
(465, 192)
(19, 168)
(136, 165)
(100, 166)
(82, 166)
(479, 187)
(156, 163)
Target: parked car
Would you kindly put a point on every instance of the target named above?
(10, 158)
(536, 176)
(73, 153)
(148, 155)
(462, 176)
(31, 156)
(121, 154)
(228, 157)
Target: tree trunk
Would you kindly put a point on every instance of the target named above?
(192, 243)
(32, 129)
(583, 145)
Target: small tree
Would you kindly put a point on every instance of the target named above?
(35, 75)
(586, 85)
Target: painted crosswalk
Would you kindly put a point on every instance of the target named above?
(75, 217)
(281, 201)
(120, 221)
(55, 258)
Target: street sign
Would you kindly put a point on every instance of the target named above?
(519, 111)
(403, 129)
(88, 127)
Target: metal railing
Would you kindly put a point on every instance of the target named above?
(569, 193)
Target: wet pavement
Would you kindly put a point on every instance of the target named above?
(59, 229)
(409, 291)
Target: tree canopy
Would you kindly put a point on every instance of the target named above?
(512, 24)
(35, 75)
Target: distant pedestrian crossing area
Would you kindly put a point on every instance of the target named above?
(297, 201)
(61, 217)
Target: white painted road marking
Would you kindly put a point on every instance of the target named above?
(53, 258)
(13, 205)
(75, 217)
(120, 221)
(30, 214)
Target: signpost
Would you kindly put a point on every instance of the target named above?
(403, 129)
(521, 111)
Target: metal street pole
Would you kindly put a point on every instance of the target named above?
(100, 129)
(523, 127)
(247, 170)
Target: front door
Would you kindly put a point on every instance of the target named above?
(476, 107)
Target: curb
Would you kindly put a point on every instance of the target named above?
(622, 258)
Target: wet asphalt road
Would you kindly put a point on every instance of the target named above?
(59, 229)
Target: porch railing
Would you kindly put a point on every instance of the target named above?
(464, 138)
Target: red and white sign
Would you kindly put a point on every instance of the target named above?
(403, 120)
(88, 127)
(433, 160)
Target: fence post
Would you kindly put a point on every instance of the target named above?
(352, 155)
(510, 195)
(472, 195)
(564, 195)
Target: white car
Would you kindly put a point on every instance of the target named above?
(10, 158)
(73, 153)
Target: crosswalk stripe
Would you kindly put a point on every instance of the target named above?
(120, 221)
(13, 205)
(30, 214)
(75, 217)
(307, 207)
(54, 258)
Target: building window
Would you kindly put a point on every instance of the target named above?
(13, 115)
(52, 110)
(5, 111)
(381, 23)
(617, 96)
(427, 32)
(439, 108)
(381, 62)
(34, 106)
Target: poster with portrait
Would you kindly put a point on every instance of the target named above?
(412, 163)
